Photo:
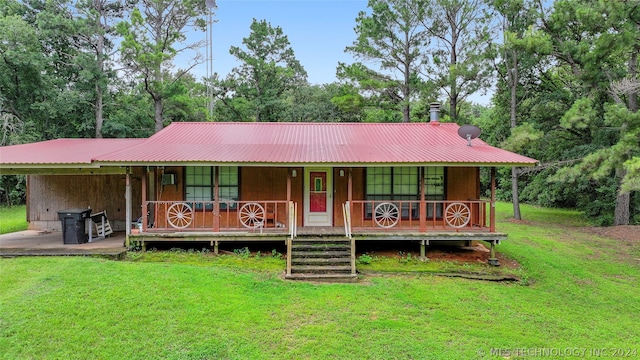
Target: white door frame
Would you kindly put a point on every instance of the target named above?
(318, 219)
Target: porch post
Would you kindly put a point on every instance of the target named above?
(156, 194)
(144, 199)
(288, 194)
(350, 186)
(127, 196)
(216, 204)
(423, 204)
(492, 210)
(350, 193)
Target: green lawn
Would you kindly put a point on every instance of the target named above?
(579, 291)
(13, 219)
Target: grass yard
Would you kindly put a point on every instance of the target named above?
(13, 219)
(578, 296)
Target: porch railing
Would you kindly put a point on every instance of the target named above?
(451, 215)
(346, 215)
(293, 230)
(258, 215)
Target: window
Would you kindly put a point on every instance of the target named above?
(397, 183)
(403, 183)
(199, 185)
(228, 185)
(434, 188)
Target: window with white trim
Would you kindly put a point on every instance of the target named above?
(403, 184)
(199, 185)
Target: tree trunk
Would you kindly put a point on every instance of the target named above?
(515, 194)
(99, 110)
(453, 62)
(100, 62)
(513, 83)
(622, 213)
(158, 107)
(406, 113)
(623, 202)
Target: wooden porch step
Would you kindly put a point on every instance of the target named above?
(321, 260)
(324, 277)
(332, 239)
(321, 247)
(310, 254)
(320, 268)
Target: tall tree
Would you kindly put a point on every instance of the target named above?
(511, 59)
(392, 37)
(154, 36)
(42, 76)
(269, 68)
(95, 35)
(599, 42)
(459, 66)
(21, 69)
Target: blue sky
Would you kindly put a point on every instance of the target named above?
(318, 30)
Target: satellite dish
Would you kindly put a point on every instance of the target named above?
(469, 132)
(211, 4)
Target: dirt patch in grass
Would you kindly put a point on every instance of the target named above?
(523, 222)
(479, 253)
(622, 232)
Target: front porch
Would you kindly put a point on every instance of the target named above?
(281, 217)
(424, 222)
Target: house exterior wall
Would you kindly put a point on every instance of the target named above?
(463, 183)
(50, 193)
(255, 184)
(341, 187)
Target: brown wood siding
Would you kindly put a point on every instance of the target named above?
(170, 192)
(341, 190)
(270, 184)
(50, 193)
(463, 183)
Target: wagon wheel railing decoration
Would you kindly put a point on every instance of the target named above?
(386, 215)
(180, 215)
(251, 215)
(457, 215)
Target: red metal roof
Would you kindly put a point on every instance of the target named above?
(62, 151)
(274, 143)
(314, 143)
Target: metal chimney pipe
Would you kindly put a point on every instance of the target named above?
(434, 112)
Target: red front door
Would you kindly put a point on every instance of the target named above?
(318, 197)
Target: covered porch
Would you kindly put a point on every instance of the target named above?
(50, 243)
(330, 205)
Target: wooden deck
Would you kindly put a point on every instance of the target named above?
(215, 238)
(278, 234)
(50, 243)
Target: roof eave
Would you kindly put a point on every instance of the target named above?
(61, 169)
(316, 164)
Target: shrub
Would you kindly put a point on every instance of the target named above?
(365, 259)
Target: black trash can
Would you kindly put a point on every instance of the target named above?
(73, 225)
